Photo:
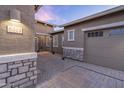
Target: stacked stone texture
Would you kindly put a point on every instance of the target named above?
(18, 74)
(73, 54)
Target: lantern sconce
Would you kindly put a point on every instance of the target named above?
(15, 15)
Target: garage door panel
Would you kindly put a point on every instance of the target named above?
(107, 62)
(104, 57)
(109, 53)
(106, 42)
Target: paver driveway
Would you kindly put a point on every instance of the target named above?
(57, 73)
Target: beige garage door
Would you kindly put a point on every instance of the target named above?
(106, 50)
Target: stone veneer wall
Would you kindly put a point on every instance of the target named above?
(22, 73)
(73, 53)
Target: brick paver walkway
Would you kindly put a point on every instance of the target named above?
(73, 74)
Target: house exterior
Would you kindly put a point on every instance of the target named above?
(17, 50)
(57, 38)
(97, 39)
(42, 37)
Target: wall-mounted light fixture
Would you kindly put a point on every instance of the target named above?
(15, 15)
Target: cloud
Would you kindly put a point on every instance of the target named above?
(46, 14)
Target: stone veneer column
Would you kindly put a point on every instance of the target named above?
(18, 70)
(73, 53)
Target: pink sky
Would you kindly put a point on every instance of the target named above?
(46, 14)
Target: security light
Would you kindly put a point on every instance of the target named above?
(15, 15)
(14, 20)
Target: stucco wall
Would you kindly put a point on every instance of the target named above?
(42, 28)
(78, 42)
(11, 43)
(59, 49)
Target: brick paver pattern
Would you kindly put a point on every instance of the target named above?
(57, 73)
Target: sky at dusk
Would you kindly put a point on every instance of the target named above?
(60, 14)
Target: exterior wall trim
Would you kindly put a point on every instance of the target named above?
(74, 48)
(42, 34)
(104, 26)
(17, 57)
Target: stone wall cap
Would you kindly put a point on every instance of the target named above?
(17, 57)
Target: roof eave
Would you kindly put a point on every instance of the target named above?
(53, 25)
(106, 12)
(37, 7)
(57, 32)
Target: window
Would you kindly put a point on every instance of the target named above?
(92, 34)
(71, 35)
(95, 34)
(117, 32)
(101, 33)
(89, 34)
(55, 41)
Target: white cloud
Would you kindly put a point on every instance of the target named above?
(46, 14)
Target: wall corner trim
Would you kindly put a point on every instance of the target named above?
(42, 34)
(17, 57)
(74, 48)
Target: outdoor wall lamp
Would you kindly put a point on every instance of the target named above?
(15, 15)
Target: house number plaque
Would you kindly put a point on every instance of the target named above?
(14, 29)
